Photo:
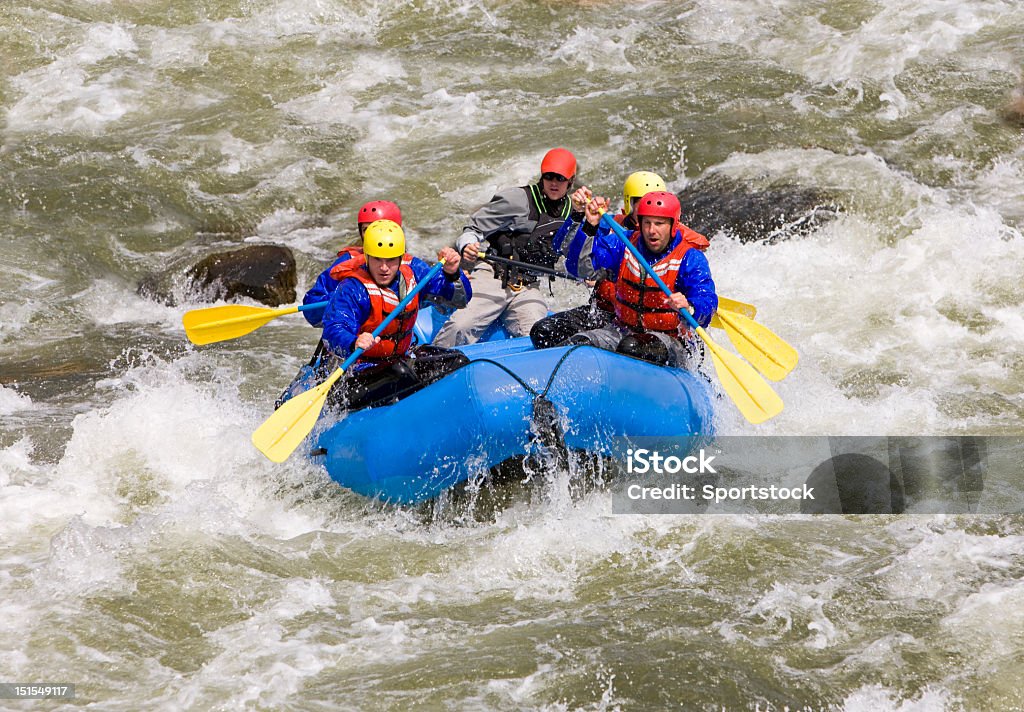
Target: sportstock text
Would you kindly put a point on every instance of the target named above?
(642, 462)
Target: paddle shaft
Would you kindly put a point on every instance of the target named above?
(527, 267)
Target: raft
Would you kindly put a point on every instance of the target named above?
(483, 414)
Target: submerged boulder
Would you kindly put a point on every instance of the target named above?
(264, 273)
(721, 204)
(1013, 111)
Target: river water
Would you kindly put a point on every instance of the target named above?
(150, 556)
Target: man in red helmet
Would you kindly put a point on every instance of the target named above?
(325, 284)
(646, 323)
(518, 223)
(554, 329)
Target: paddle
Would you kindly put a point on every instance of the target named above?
(212, 324)
(768, 353)
(754, 398)
(731, 305)
(282, 432)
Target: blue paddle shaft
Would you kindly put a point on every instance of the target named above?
(315, 305)
(617, 229)
(394, 314)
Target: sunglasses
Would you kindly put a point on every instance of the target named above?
(555, 177)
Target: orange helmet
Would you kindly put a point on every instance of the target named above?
(560, 161)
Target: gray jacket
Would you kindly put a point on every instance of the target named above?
(508, 211)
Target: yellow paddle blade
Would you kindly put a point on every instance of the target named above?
(754, 398)
(747, 310)
(768, 353)
(731, 305)
(282, 432)
(206, 326)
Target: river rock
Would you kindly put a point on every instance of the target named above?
(264, 273)
(721, 204)
(1013, 112)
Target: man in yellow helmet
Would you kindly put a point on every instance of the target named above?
(326, 284)
(637, 185)
(370, 287)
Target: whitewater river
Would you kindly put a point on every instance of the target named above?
(150, 556)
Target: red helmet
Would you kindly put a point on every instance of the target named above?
(379, 210)
(659, 204)
(560, 161)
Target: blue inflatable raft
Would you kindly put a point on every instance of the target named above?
(604, 402)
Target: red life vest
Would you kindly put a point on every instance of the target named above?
(639, 302)
(396, 338)
(605, 288)
(604, 294)
(693, 238)
(351, 251)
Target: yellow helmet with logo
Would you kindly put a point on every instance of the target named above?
(638, 185)
(384, 239)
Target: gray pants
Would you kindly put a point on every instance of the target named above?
(491, 302)
(682, 354)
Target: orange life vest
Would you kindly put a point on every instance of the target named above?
(604, 294)
(639, 302)
(605, 288)
(693, 238)
(396, 338)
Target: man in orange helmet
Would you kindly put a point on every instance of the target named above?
(518, 224)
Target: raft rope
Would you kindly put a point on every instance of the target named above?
(526, 386)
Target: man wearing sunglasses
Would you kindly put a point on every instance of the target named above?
(518, 224)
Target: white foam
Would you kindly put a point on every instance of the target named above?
(66, 95)
(108, 303)
(856, 297)
(336, 101)
(989, 621)
(176, 49)
(864, 60)
(600, 48)
(11, 401)
(942, 566)
(787, 602)
(877, 698)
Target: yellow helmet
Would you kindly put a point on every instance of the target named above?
(638, 185)
(384, 239)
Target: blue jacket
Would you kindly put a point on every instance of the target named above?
(694, 280)
(349, 307)
(321, 291)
